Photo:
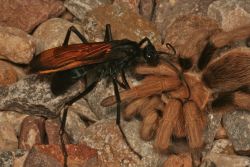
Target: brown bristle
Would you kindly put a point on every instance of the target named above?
(161, 69)
(230, 72)
(181, 160)
(151, 104)
(221, 39)
(170, 116)
(145, 90)
(194, 125)
(242, 100)
(149, 125)
(133, 108)
(179, 129)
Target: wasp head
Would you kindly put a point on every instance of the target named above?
(149, 53)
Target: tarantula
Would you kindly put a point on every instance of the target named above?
(173, 97)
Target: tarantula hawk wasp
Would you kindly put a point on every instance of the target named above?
(69, 63)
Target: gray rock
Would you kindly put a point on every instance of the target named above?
(16, 45)
(94, 98)
(237, 126)
(222, 146)
(213, 123)
(13, 158)
(224, 160)
(112, 149)
(32, 95)
(79, 117)
(231, 14)
(52, 33)
(26, 14)
(79, 8)
(6, 159)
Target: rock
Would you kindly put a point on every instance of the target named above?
(20, 157)
(224, 160)
(67, 16)
(95, 97)
(230, 14)
(131, 4)
(13, 118)
(238, 130)
(184, 27)
(16, 45)
(8, 138)
(78, 118)
(221, 133)
(182, 160)
(32, 132)
(222, 146)
(213, 123)
(79, 8)
(33, 95)
(52, 33)
(124, 24)
(51, 155)
(106, 137)
(7, 74)
(26, 15)
(147, 8)
(52, 128)
(168, 11)
(13, 158)
(38, 158)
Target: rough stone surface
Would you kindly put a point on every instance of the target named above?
(224, 160)
(51, 155)
(168, 11)
(8, 138)
(213, 123)
(26, 14)
(94, 98)
(33, 95)
(222, 146)
(125, 24)
(12, 158)
(52, 128)
(184, 28)
(78, 118)
(131, 4)
(79, 8)
(231, 14)
(112, 149)
(32, 132)
(13, 118)
(237, 126)
(16, 45)
(147, 8)
(7, 74)
(36, 158)
(52, 33)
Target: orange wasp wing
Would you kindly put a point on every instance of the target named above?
(69, 57)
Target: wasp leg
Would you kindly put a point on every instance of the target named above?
(108, 34)
(72, 28)
(64, 117)
(118, 116)
(124, 80)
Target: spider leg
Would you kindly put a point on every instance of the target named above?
(73, 29)
(118, 116)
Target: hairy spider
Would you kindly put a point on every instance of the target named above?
(173, 97)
